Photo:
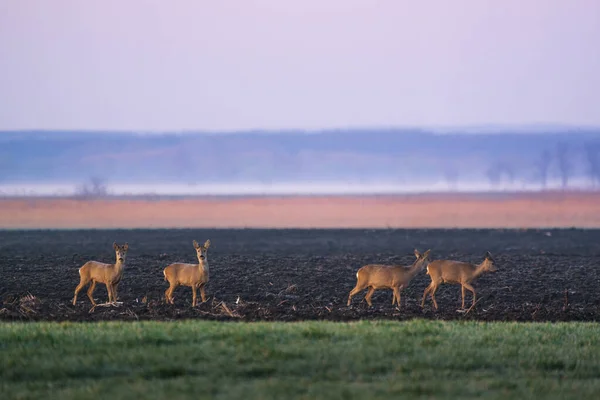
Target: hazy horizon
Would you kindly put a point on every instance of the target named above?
(283, 188)
(265, 65)
(371, 161)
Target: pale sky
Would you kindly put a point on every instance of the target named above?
(307, 64)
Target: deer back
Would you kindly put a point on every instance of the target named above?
(450, 271)
(380, 275)
(101, 272)
(186, 274)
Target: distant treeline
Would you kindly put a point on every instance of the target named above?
(392, 155)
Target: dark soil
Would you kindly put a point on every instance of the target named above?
(286, 275)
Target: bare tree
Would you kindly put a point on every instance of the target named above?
(509, 172)
(543, 166)
(498, 171)
(592, 151)
(565, 167)
(95, 188)
(451, 175)
(493, 174)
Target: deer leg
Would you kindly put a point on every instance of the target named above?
(462, 290)
(354, 291)
(109, 289)
(168, 294)
(82, 283)
(397, 296)
(171, 297)
(115, 291)
(112, 293)
(171, 293)
(369, 294)
(202, 294)
(425, 293)
(472, 290)
(90, 292)
(193, 295)
(433, 290)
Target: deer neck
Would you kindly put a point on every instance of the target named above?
(480, 269)
(119, 265)
(203, 265)
(416, 267)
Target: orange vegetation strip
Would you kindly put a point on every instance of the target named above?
(418, 211)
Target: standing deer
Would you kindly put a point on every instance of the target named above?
(448, 271)
(109, 274)
(395, 277)
(194, 275)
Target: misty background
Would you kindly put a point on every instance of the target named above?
(263, 96)
(334, 161)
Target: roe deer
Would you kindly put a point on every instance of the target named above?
(109, 274)
(395, 277)
(194, 275)
(448, 271)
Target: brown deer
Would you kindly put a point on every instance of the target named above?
(448, 271)
(395, 277)
(194, 275)
(109, 274)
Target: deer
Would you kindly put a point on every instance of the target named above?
(395, 277)
(194, 275)
(108, 274)
(456, 272)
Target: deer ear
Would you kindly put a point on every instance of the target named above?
(426, 254)
(126, 246)
(207, 244)
(196, 245)
(115, 245)
(417, 254)
(488, 255)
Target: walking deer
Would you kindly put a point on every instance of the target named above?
(456, 272)
(395, 277)
(194, 275)
(109, 274)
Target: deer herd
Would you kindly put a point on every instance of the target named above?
(370, 277)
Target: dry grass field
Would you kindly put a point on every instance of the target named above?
(529, 210)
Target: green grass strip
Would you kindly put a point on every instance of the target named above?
(311, 360)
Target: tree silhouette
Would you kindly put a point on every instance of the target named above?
(451, 175)
(592, 151)
(543, 166)
(565, 167)
(497, 171)
(95, 188)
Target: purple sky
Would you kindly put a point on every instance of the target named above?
(220, 65)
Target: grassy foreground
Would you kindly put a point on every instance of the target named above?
(202, 359)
